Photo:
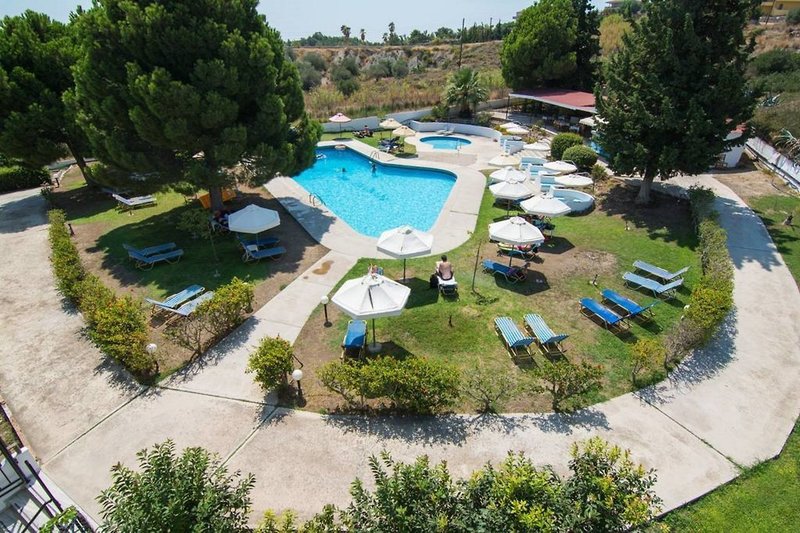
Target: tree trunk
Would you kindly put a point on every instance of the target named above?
(215, 193)
(84, 168)
(643, 198)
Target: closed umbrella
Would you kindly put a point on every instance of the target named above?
(545, 206)
(516, 231)
(561, 167)
(371, 297)
(573, 180)
(340, 119)
(505, 160)
(253, 219)
(508, 174)
(405, 242)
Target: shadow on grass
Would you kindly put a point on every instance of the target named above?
(421, 293)
(534, 283)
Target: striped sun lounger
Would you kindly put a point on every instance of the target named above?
(512, 337)
(548, 340)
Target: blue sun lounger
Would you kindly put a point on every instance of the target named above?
(146, 262)
(632, 309)
(189, 307)
(136, 201)
(152, 250)
(512, 336)
(512, 274)
(254, 253)
(610, 319)
(177, 299)
(355, 338)
(548, 341)
(659, 272)
(658, 289)
(261, 242)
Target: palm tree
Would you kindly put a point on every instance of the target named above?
(363, 35)
(346, 32)
(465, 90)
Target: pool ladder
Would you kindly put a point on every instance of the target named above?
(314, 199)
(375, 155)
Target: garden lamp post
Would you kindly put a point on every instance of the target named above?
(324, 301)
(297, 375)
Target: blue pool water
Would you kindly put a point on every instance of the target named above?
(445, 143)
(374, 202)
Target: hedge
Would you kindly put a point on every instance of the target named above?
(562, 141)
(117, 326)
(583, 156)
(17, 177)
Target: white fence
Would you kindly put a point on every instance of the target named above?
(776, 161)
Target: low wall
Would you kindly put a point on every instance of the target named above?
(779, 163)
(464, 129)
(354, 125)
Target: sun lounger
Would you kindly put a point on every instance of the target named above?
(658, 289)
(189, 307)
(136, 201)
(261, 242)
(659, 272)
(527, 253)
(152, 250)
(512, 337)
(177, 299)
(545, 337)
(448, 287)
(610, 319)
(448, 130)
(511, 274)
(146, 262)
(254, 253)
(631, 308)
(355, 338)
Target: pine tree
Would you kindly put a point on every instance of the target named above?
(675, 89)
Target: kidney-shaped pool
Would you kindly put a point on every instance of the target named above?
(372, 201)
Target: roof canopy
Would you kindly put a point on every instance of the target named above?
(568, 99)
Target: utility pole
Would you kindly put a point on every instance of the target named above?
(461, 46)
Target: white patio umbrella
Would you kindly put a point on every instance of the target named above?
(371, 297)
(505, 160)
(538, 146)
(405, 242)
(518, 130)
(511, 190)
(545, 206)
(403, 131)
(588, 121)
(340, 119)
(562, 167)
(573, 180)
(253, 219)
(516, 231)
(508, 174)
(389, 124)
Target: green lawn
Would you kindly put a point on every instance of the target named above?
(462, 332)
(373, 141)
(773, 211)
(154, 225)
(765, 498)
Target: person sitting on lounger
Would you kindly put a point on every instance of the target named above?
(444, 269)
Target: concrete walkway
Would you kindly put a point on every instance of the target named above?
(729, 406)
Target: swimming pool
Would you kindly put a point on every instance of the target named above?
(372, 202)
(445, 143)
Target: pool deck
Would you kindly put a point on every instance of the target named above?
(453, 227)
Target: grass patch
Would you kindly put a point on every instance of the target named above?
(461, 331)
(762, 499)
(409, 149)
(773, 210)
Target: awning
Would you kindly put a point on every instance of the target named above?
(565, 98)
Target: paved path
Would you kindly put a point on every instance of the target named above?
(729, 406)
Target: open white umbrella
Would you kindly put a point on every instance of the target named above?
(371, 297)
(562, 167)
(508, 174)
(511, 190)
(545, 206)
(340, 119)
(516, 231)
(403, 131)
(253, 219)
(573, 180)
(588, 121)
(389, 124)
(518, 130)
(538, 146)
(405, 242)
(505, 160)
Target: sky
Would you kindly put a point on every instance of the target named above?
(301, 18)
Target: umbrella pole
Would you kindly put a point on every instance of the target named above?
(404, 269)
(374, 347)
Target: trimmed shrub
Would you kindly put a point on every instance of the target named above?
(413, 384)
(563, 380)
(583, 156)
(120, 330)
(64, 256)
(599, 172)
(17, 177)
(646, 353)
(271, 362)
(562, 141)
(226, 309)
(94, 297)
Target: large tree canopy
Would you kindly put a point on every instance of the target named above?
(186, 90)
(587, 44)
(675, 89)
(540, 50)
(36, 55)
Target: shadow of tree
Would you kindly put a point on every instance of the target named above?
(17, 216)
